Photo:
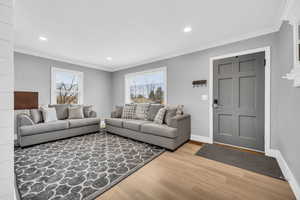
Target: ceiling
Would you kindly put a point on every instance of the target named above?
(135, 32)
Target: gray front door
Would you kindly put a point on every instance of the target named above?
(239, 92)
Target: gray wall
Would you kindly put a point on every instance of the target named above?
(288, 118)
(34, 74)
(182, 70)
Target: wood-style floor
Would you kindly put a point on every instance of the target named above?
(182, 175)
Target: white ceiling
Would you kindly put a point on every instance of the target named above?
(134, 32)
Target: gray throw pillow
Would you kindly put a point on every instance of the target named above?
(36, 115)
(128, 111)
(170, 113)
(153, 110)
(87, 110)
(117, 113)
(61, 110)
(141, 110)
(76, 112)
(159, 118)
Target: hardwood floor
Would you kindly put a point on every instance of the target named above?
(182, 175)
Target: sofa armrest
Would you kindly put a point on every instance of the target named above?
(24, 120)
(92, 114)
(183, 125)
(177, 120)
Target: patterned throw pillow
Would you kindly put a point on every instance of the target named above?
(141, 111)
(128, 111)
(153, 110)
(159, 118)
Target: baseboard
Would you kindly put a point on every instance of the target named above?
(272, 153)
(287, 172)
(199, 138)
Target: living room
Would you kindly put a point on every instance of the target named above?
(187, 99)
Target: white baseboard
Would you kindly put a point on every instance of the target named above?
(199, 138)
(272, 153)
(287, 172)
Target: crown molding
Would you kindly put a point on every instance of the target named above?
(60, 58)
(273, 29)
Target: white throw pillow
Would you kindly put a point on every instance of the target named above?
(49, 114)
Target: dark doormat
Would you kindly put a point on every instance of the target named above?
(254, 162)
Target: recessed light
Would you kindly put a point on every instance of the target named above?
(109, 58)
(42, 38)
(187, 29)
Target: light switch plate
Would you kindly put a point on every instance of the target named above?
(204, 97)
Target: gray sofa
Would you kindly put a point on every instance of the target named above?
(30, 133)
(167, 136)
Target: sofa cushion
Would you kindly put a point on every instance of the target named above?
(114, 122)
(44, 127)
(61, 110)
(83, 122)
(133, 124)
(159, 129)
(141, 111)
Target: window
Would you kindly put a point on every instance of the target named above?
(66, 86)
(146, 86)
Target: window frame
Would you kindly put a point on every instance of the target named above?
(129, 75)
(55, 70)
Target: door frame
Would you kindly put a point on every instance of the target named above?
(267, 51)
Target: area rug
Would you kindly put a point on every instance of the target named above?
(79, 168)
(254, 162)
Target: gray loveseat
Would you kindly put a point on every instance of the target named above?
(168, 136)
(31, 132)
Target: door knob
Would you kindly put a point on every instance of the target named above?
(215, 105)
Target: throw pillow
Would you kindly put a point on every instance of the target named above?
(179, 110)
(117, 113)
(128, 111)
(141, 111)
(170, 113)
(36, 115)
(87, 110)
(61, 110)
(153, 110)
(159, 118)
(49, 114)
(76, 112)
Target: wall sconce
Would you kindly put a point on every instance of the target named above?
(199, 83)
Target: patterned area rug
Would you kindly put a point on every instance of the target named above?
(79, 168)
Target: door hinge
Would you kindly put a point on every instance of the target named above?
(265, 62)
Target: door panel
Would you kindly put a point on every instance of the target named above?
(239, 94)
